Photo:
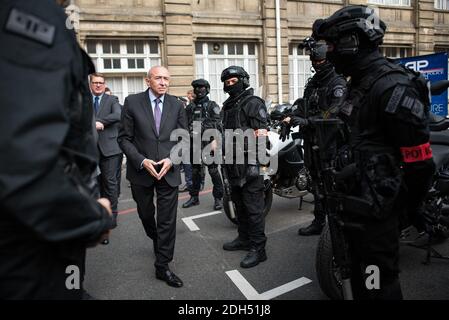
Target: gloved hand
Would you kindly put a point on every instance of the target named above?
(298, 121)
(285, 131)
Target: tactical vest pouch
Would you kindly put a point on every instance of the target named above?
(380, 182)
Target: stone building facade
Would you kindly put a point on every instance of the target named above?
(199, 38)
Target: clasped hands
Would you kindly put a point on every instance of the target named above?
(151, 166)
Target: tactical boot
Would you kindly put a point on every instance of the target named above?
(237, 244)
(218, 204)
(253, 258)
(193, 201)
(314, 229)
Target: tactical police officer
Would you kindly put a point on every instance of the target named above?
(387, 110)
(207, 113)
(324, 94)
(47, 214)
(246, 112)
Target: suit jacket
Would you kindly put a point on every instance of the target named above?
(109, 114)
(139, 140)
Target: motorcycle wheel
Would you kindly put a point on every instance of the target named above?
(268, 193)
(327, 270)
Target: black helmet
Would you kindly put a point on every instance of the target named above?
(351, 28)
(198, 90)
(201, 83)
(235, 71)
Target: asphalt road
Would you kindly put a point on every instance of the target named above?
(124, 269)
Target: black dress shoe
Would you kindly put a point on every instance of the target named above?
(193, 201)
(218, 204)
(315, 228)
(253, 258)
(237, 244)
(169, 277)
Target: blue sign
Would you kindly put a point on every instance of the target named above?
(434, 68)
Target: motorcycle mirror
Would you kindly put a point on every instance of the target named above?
(439, 87)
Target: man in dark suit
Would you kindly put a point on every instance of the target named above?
(148, 119)
(107, 115)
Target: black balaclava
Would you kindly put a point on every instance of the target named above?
(235, 89)
(200, 93)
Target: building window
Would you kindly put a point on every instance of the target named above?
(125, 63)
(123, 86)
(442, 4)
(299, 71)
(401, 3)
(213, 57)
(443, 49)
(396, 52)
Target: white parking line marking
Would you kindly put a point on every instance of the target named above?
(273, 293)
(192, 225)
(244, 286)
(251, 294)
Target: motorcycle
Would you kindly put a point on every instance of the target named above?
(332, 265)
(290, 178)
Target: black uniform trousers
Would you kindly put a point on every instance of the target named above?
(318, 210)
(376, 245)
(161, 229)
(25, 261)
(249, 205)
(217, 190)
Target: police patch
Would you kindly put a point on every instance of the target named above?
(30, 26)
(339, 92)
(395, 98)
(217, 110)
(262, 113)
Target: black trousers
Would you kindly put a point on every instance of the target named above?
(217, 190)
(32, 269)
(161, 229)
(119, 175)
(108, 180)
(377, 245)
(249, 205)
(318, 210)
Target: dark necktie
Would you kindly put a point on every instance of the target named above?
(157, 114)
(96, 104)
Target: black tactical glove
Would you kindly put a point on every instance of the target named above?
(298, 121)
(285, 131)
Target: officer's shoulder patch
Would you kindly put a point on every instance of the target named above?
(262, 113)
(395, 98)
(415, 106)
(216, 110)
(339, 92)
(30, 26)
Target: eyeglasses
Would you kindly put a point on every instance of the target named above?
(98, 83)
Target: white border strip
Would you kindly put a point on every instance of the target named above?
(251, 294)
(192, 225)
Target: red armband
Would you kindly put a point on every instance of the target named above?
(417, 153)
(261, 133)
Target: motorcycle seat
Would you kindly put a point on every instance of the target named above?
(439, 137)
(440, 155)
